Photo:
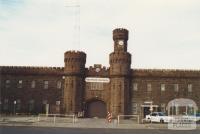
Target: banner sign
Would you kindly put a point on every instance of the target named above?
(96, 79)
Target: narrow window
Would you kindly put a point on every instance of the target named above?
(33, 83)
(162, 87)
(176, 88)
(19, 84)
(7, 83)
(149, 89)
(18, 105)
(163, 107)
(59, 84)
(57, 103)
(5, 106)
(31, 105)
(134, 108)
(46, 84)
(189, 88)
(135, 87)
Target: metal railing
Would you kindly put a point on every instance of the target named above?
(59, 118)
(128, 117)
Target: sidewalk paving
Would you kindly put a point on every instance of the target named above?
(80, 123)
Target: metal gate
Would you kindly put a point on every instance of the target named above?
(96, 108)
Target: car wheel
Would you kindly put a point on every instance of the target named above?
(162, 121)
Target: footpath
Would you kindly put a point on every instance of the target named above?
(78, 123)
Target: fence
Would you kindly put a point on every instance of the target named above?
(57, 118)
(128, 119)
(19, 118)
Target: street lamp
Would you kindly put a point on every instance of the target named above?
(151, 110)
(15, 102)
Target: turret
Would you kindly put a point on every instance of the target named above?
(120, 37)
(74, 81)
(74, 62)
(120, 64)
(120, 59)
(120, 70)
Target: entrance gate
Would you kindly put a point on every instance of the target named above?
(95, 108)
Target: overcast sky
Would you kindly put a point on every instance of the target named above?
(163, 33)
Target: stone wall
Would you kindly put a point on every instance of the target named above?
(29, 98)
(168, 78)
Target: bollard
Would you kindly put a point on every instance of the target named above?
(54, 119)
(109, 117)
(38, 118)
(115, 122)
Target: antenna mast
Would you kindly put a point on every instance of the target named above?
(75, 5)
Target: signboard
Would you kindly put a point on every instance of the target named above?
(98, 80)
(151, 108)
(148, 102)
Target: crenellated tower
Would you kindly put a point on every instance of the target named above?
(120, 70)
(74, 81)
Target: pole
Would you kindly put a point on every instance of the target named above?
(15, 102)
(151, 110)
(47, 109)
(0, 107)
(54, 119)
(109, 117)
(118, 119)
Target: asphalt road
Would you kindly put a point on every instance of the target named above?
(43, 130)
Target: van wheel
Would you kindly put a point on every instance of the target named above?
(162, 121)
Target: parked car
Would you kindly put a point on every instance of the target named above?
(158, 117)
(197, 117)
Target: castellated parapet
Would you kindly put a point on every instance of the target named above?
(74, 62)
(120, 63)
(97, 71)
(30, 70)
(166, 73)
(120, 33)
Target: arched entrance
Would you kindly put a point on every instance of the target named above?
(95, 108)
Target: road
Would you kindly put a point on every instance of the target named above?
(46, 130)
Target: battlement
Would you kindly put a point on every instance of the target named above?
(75, 53)
(166, 73)
(120, 34)
(120, 57)
(31, 70)
(120, 30)
(75, 56)
(98, 67)
(97, 70)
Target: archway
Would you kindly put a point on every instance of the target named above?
(96, 108)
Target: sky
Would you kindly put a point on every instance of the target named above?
(163, 34)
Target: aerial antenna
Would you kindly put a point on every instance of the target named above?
(75, 5)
